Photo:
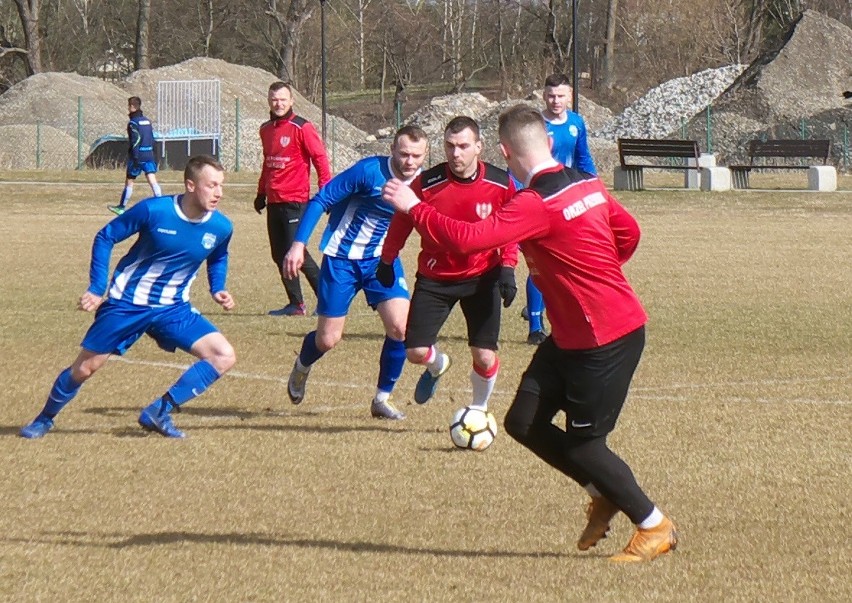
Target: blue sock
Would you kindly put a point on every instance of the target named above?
(63, 391)
(391, 362)
(535, 306)
(192, 383)
(310, 352)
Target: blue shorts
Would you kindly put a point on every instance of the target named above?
(134, 168)
(341, 278)
(118, 325)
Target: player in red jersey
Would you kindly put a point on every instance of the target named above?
(290, 145)
(578, 237)
(467, 189)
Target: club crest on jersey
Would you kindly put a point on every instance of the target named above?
(285, 140)
(208, 240)
(572, 129)
(483, 210)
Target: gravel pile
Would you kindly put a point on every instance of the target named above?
(661, 111)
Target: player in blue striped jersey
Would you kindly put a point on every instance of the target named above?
(149, 294)
(351, 246)
(570, 147)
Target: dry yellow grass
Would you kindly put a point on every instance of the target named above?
(738, 425)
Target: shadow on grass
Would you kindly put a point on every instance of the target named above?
(123, 541)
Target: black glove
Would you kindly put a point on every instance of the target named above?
(259, 202)
(385, 274)
(506, 285)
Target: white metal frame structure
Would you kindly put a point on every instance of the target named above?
(189, 110)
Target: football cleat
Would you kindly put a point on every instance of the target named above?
(428, 383)
(536, 337)
(290, 310)
(599, 513)
(385, 410)
(161, 423)
(297, 383)
(646, 545)
(36, 429)
(116, 209)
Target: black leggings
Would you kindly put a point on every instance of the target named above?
(282, 222)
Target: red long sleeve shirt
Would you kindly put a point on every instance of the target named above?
(469, 201)
(290, 145)
(575, 237)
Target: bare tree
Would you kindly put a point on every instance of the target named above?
(288, 21)
(28, 11)
(142, 27)
(609, 53)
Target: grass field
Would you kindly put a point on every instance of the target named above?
(739, 425)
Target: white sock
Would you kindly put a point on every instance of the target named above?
(653, 520)
(382, 396)
(436, 365)
(301, 367)
(482, 388)
(158, 192)
(593, 492)
(128, 192)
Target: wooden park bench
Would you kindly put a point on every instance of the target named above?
(760, 151)
(662, 149)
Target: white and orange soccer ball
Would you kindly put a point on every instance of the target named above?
(473, 428)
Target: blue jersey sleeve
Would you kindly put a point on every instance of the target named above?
(117, 230)
(217, 267)
(338, 190)
(582, 156)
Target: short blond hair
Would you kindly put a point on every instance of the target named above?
(521, 126)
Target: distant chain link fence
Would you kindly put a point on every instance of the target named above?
(97, 141)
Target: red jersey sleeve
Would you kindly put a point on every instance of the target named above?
(625, 228)
(400, 228)
(509, 253)
(522, 218)
(316, 151)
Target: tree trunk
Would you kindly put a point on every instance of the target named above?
(142, 27)
(609, 54)
(290, 27)
(28, 12)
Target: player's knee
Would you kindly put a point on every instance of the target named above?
(518, 424)
(484, 359)
(396, 331)
(223, 358)
(416, 355)
(325, 341)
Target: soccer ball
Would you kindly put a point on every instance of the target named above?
(473, 428)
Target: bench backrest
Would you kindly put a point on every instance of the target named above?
(649, 147)
(790, 148)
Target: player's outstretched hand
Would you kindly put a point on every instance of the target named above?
(259, 203)
(506, 285)
(293, 260)
(224, 299)
(89, 302)
(397, 193)
(385, 274)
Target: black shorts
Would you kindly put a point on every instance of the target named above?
(282, 222)
(433, 300)
(590, 386)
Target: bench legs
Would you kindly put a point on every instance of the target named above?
(628, 179)
(739, 178)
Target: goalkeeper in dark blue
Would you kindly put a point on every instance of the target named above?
(140, 154)
(149, 295)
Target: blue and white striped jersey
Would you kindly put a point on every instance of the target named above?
(160, 267)
(358, 217)
(570, 142)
